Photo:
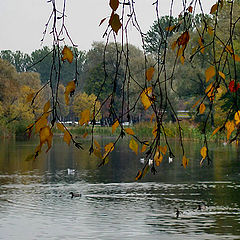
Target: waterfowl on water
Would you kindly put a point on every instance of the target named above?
(75, 194)
(70, 171)
(177, 213)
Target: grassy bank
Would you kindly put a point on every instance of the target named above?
(144, 129)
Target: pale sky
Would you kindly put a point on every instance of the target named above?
(22, 21)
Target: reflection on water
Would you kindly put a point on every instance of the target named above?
(35, 202)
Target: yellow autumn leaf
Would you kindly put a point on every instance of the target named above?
(115, 22)
(46, 106)
(129, 131)
(67, 137)
(69, 90)
(139, 175)
(67, 54)
(236, 57)
(202, 108)
(173, 45)
(97, 145)
(210, 30)
(60, 127)
(163, 150)
(144, 148)
(170, 28)
(210, 92)
(85, 135)
(215, 131)
(109, 147)
(147, 97)
(185, 161)
(114, 4)
(214, 8)
(237, 117)
(145, 171)
(30, 97)
(196, 103)
(46, 135)
(230, 128)
(41, 122)
(134, 146)
(222, 75)
(149, 73)
(154, 131)
(200, 42)
(158, 157)
(229, 49)
(209, 73)
(203, 152)
(97, 153)
(182, 59)
(115, 126)
(84, 117)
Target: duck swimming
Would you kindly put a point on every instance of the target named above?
(75, 194)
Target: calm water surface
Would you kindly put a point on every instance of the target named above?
(35, 202)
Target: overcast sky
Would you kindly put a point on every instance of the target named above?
(22, 21)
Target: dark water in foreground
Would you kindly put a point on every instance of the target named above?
(35, 202)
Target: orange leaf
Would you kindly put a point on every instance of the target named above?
(210, 30)
(149, 73)
(67, 54)
(85, 117)
(114, 126)
(30, 97)
(222, 75)
(210, 92)
(115, 22)
(46, 106)
(154, 131)
(46, 137)
(202, 108)
(203, 152)
(215, 131)
(139, 175)
(67, 137)
(85, 135)
(183, 39)
(69, 90)
(200, 42)
(97, 145)
(158, 157)
(41, 122)
(230, 128)
(163, 150)
(144, 148)
(147, 97)
(60, 127)
(236, 57)
(174, 44)
(182, 59)
(237, 117)
(209, 73)
(170, 28)
(97, 153)
(196, 103)
(185, 161)
(109, 147)
(214, 8)
(129, 131)
(229, 49)
(114, 4)
(134, 146)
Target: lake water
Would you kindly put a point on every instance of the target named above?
(35, 202)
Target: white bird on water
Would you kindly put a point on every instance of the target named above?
(70, 171)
